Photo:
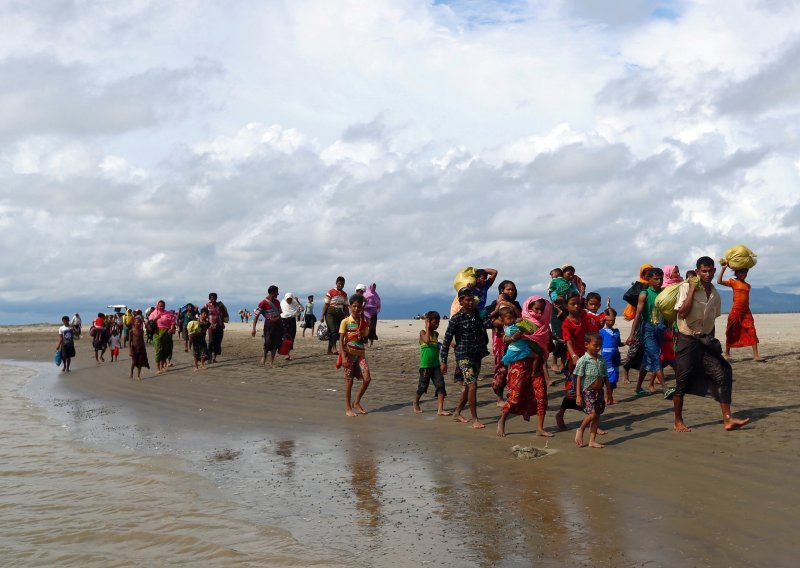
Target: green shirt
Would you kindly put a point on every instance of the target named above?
(429, 352)
(589, 369)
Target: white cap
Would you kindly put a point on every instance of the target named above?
(361, 287)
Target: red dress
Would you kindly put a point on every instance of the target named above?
(527, 389)
(741, 329)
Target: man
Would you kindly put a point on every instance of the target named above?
(217, 316)
(270, 308)
(700, 367)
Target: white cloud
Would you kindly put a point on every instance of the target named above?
(152, 150)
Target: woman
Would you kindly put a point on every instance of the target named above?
(741, 328)
(138, 350)
(633, 359)
(507, 295)
(290, 312)
(372, 307)
(162, 336)
(334, 310)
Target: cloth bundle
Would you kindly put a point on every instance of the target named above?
(668, 297)
(464, 278)
(738, 257)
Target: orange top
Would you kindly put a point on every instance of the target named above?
(741, 295)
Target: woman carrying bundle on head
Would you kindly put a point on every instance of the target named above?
(741, 328)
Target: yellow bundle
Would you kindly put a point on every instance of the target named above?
(668, 297)
(464, 277)
(738, 257)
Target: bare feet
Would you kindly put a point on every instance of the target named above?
(444, 413)
(560, 422)
(417, 409)
(681, 427)
(459, 418)
(579, 437)
(350, 413)
(501, 403)
(360, 408)
(478, 425)
(596, 445)
(651, 388)
(760, 360)
(734, 423)
(501, 432)
(544, 433)
(602, 432)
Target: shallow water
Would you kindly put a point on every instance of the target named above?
(66, 503)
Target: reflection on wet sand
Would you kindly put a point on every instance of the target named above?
(364, 482)
(285, 449)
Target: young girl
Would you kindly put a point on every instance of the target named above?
(114, 344)
(573, 331)
(592, 376)
(138, 351)
(610, 341)
(429, 363)
(741, 328)
(353, 330)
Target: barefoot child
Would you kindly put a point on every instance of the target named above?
(197, 330)
(577, 323)
(137, 348)
(741, 328)
(429, 363)
(353, 331)
(592, 377)
(611, 343)
(113, 343)
(466, 327)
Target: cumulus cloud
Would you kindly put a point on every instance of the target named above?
(394, 142)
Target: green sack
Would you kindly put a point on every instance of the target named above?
(738, 257)
(668, 297)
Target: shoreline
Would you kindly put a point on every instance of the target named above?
(369, 470)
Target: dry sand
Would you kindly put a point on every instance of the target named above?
(440, 490)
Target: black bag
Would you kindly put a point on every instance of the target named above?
(632, 295)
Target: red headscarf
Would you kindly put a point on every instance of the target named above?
(542, 335)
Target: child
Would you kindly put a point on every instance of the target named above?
(138, 350)
(590, 371)
(652, 330)
(429, 363)
(559, 285)
(577, 323)
(507, 296)
(741, 328)
(466, 327)
(609, 336)
(197, 330)
(114, 344)
(66, 343)
(309, 318)
(559, 348)
(353, 330)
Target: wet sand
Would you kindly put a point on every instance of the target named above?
(417, 489)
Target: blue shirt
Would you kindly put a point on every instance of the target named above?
(610, 347)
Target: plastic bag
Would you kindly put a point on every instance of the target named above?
(322, 332)
(58, 358)
(464, 277)
(738, 257)
(632, 295)
(668, 297)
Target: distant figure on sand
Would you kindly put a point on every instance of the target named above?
(165, 325)
(217, 316)
(372, 307)
(334, 310)
(138, 350)
(700, 367)
(76, 325)
(741, 328)
(309, 318)
(270, 308)
(66, 343)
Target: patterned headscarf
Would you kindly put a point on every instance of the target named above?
(542, 335)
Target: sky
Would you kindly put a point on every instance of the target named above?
(164, 149)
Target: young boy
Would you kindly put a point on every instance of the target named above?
(353, 330)
(66, 343)
(466, 327)
(429, 363)
(114, 342)
(592, 377)
(310, 319)
(609, 337)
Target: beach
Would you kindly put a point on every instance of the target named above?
(261, 466)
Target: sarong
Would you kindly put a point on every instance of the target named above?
(500, 371)
(162, 345)
(138, 351)
(333, 319)
(741, 329)
(520, 399)
(215, 340)
(700, 368)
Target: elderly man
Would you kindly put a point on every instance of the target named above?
(700, 367)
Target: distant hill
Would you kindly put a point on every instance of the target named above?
(762, 300)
